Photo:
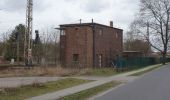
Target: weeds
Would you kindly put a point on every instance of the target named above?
(42, 71)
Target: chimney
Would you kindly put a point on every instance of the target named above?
(92, 21)
(36, 31)
(80, 21)
(111, 23)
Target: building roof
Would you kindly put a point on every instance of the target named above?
(87, 24)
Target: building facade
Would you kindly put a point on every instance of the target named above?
(89, 44)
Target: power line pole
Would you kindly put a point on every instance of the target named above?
(28, 33)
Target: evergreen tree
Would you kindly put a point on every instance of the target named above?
(17, 36)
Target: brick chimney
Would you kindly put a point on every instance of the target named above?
(111, 23)
(92, 21)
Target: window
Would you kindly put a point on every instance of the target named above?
(100, 32)
(100, 57)
(63, 32)
(75, 57)
(76, 28)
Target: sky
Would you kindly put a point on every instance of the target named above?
(48, 14)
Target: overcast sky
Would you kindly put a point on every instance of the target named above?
(51, 13)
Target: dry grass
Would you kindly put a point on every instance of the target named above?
(42, 71)
(56, 71)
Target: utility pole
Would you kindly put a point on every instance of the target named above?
(28, 33)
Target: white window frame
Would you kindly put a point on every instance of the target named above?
(63, 33)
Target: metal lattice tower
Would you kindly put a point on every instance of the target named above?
(28, 32)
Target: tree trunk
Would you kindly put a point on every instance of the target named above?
(163, 58)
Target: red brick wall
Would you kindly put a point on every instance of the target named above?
(78, 41)
(109, 44)
(63, 50)
(89, 47)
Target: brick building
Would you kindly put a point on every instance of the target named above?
(89, 44)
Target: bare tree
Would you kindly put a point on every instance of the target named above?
(134, 41)
(55, 39)
(50, 45)
(3, 42)
(154, 24)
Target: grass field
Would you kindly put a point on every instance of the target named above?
(143, 72)
(38, 89)
(100, 72)
(84, 95)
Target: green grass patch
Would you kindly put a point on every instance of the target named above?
(110, 71)
(143, 72)
(38, 89)
(100, 72)
(83, 95)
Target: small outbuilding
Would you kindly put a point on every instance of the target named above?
(132, 54)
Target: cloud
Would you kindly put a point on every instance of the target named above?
(55, 12)
(96, 6)
(20, 5)
(13, 5)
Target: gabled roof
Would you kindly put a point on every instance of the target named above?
(87, 24)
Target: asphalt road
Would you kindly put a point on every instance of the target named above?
(154, 85)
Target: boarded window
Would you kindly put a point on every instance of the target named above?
(100, 32)
(76, 28)
(75, 57)
(117, 36)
